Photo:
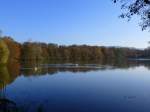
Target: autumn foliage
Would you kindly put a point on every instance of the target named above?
(51, 53)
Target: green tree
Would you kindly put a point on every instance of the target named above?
(32, 52)
(4, 52)
(14, 49)
(53, 51)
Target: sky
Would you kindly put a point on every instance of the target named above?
(66, 22)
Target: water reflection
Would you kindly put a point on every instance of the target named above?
(52, 94)
(10, 72)
(7, 105)
(4, 77)
(42, 69)
(7, 75)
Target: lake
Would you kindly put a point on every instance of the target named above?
(76, 88)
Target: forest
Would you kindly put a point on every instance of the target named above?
(38, 52)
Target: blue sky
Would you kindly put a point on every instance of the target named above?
(92, 22)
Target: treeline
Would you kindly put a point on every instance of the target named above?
(12, 51)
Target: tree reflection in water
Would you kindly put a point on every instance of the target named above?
(6, 105)
(6, 77)
(10, 72)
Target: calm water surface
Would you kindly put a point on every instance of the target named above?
(56, 89)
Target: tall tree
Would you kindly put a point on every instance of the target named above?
(4, 52)
(14, 49)
(32, 52)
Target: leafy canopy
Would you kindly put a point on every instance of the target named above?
(136, 7)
